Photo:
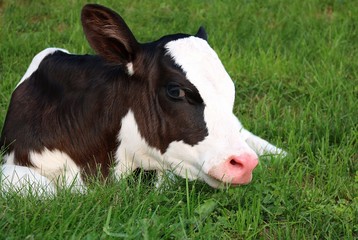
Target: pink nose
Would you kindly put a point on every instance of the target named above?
(236, 169)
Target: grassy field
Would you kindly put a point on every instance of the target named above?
(295, 67)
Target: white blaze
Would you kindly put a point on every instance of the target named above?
(204, 70)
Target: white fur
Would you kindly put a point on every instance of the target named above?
(130, 69)
(50, 169)
(134, 151)
(204, 70)
(58, 167)
(9, 158)
(25, 181)
(261, 146)
(37, 60)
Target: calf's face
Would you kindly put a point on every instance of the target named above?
(180, 104)
(223, 155)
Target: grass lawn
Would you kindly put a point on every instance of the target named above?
(295, 67)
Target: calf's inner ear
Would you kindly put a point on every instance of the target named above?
(108, 34)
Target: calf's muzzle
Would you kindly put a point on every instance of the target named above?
(236, 170)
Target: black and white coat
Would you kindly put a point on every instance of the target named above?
(163, 105)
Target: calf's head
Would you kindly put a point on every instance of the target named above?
(180, 102)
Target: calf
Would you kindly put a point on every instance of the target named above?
(162, 105)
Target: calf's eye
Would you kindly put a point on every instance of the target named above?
(176, 92)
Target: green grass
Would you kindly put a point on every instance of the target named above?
(295, 66)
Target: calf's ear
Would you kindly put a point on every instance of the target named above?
(202, 34)
(108, 34)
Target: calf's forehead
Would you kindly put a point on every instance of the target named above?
(203, 69)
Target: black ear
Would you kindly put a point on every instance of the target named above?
(108, 34)
(202, 33)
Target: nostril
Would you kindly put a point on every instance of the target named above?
(236, 163)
